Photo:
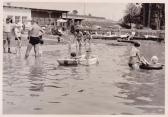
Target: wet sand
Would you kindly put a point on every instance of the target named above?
(40, 86)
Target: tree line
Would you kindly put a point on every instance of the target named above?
(149, 15)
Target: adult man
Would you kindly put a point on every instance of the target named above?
(34, 34)
(7, 33)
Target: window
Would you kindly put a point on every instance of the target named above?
(17, 19)
(24, 18)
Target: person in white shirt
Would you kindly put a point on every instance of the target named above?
(17, 32)
(34, 38)
(7, 33)
(131, 35)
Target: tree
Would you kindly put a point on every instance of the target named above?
(75, 12)
(132, 13)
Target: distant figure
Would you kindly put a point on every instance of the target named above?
(60, 33)
(34, 38)
(7, 34)
(131, 36)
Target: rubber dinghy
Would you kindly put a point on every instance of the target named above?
(88, 61)
(68, 62)
(151, 67)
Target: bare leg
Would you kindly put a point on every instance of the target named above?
(8, 40)
(20, 45)
(36, 50)
(69, 48)
(29, 47)
(4, 45)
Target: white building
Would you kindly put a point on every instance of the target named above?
(18, 14)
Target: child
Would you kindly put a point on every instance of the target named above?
(79, 36)
(153, 63)
(131, 36)
(17, 32)
(87, 38)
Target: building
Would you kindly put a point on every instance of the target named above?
(16, 13)
(42, 16)
(77, 19)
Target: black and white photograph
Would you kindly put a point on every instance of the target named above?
(83, 58)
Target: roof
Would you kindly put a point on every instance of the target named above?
(81, 17)
(48, 9)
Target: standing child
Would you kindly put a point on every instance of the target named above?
(79, 36)
(17, 32)
(87, 40)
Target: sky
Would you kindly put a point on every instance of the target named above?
(114, 11)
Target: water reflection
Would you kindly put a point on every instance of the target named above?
(37, 75)
(109, 87)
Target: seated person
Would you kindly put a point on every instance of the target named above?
(154, 62)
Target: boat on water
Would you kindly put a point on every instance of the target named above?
(127, 41)
(67, 62)
(78, 61)
(88, 61)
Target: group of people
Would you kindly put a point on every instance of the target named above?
(136, 60)
(14, 31)
(82, 38)
(35, 33)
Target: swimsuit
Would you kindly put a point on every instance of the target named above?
(17, 38)
(34, 40)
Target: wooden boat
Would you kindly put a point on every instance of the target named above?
(82, 60)
(88, 61)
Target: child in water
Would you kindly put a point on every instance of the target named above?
(17, 32)
(79, 37)
(153, 62)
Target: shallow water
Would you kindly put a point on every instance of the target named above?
(40, 86)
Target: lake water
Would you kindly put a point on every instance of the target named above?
(40, 86)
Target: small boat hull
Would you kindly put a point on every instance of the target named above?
(88, 61)
(67, 62)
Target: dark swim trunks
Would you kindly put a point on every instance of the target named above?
(17, 38)
(34, 40)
